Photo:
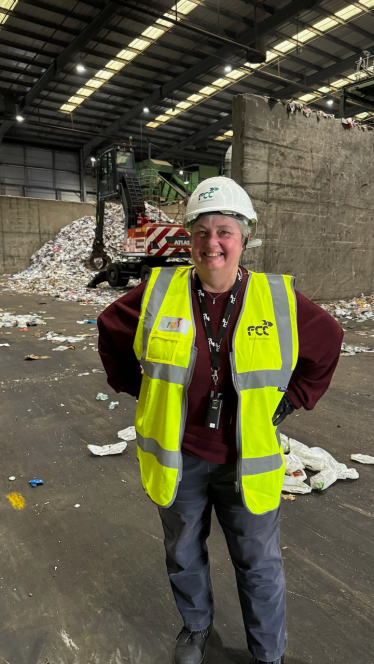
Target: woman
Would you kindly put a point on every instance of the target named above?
(225, 356)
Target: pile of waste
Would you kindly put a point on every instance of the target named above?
(298, 456)
(59, 269)
(359, 309)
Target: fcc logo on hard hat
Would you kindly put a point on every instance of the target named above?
(255, 331)
(205, 195)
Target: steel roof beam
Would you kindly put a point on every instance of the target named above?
(280, 17)
(286, 93)
(70, 51)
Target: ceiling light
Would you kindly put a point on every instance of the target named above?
(80, 68)
(19, 118)
(93, 160)
(330, 102)
(186, 182)
(145, 109)
(180, 172)
(228, 68)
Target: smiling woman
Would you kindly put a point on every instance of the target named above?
(210, 352)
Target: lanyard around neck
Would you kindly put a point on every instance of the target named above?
(215, 344)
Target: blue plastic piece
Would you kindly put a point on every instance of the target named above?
(35, 482)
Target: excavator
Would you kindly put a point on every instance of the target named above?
(147, 243)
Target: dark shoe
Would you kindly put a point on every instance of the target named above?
(280, 660)
(190, 648)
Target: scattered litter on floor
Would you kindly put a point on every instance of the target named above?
(101, 396)
(24, 321)
(36, 482)
(315, 459)
(113, 404)
(97, 370)
(85, 373)
(86, 320)
(76, 505)
(4, 345)
(11, 478)
(127, 434)
(358, 309)
(37, 357)
(287, 496)
(56, 337)
(70, 347)
(362, 458)
(347, 349)
(105, 450)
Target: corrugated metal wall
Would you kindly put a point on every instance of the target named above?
(41, 173)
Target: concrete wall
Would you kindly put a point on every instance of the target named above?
(28, 223)
(312, 185)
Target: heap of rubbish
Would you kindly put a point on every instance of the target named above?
(359, 309)
(59, 268)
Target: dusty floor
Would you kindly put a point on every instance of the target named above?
(87, 585)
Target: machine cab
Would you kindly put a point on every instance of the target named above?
(115, 162)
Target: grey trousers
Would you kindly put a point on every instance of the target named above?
(253, 544)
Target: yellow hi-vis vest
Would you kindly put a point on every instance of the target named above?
(264, 354)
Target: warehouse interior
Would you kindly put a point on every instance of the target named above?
(112, 113)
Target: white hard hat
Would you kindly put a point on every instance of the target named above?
(220, 194)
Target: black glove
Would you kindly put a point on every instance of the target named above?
(285, 408)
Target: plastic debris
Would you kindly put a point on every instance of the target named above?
(76, 505)
(85, 373)
(37, 357)
(113, 404)
(358, 309)
(362, 458)
(347, 349)
(315, 459)
(36, 482)
(24, 321)
(86, 320)
(97, 370)
(70, 347)
(11, 478)
(101, 396)
(56, 337)
(4, 345)
(105, 450)
(127, 434)
(287, 496)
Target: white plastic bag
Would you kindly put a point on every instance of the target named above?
(127, 434)
(293, 463)
(362, 458)
(323, 480)
(105, 450)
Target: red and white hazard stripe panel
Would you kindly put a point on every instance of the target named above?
(167, 240)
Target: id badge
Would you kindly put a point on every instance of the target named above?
(214, 410)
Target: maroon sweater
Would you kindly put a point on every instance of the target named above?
(320, 340)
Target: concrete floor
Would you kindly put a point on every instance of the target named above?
(88, 585)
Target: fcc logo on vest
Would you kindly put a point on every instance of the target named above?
(255, 331)
(171, 324)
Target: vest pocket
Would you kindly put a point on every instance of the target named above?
(161, 349)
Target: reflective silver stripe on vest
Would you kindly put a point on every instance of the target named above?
(263, 378)
(155, 301)
(283, 319)
(164, 457)
(167, 372)
(258, 465)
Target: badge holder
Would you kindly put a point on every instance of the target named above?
(214, 410)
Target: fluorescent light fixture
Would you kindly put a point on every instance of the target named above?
(330, 102)
(93, 159)
(228, 68)
(145, 109)
(19, 118)
(7, 6)
(80, 68)
(124, 57)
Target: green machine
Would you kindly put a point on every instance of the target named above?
(160, 181)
